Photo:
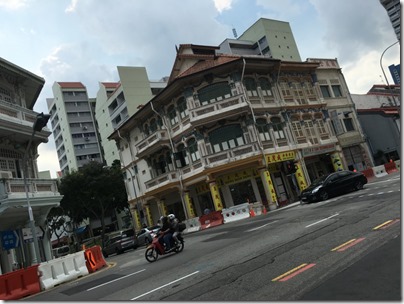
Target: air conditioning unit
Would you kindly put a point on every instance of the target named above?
(87, 139)
(6, 174)
(85, 128)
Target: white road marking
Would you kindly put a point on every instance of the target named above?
(165, 285)
(256, 228)
(116, 280)
(322, 220)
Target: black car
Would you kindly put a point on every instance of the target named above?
(333, 184)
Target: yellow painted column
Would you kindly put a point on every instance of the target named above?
(268, 186)
(189, 205)
(336, 162)
(136, 218)
(162, 208)
(148, 215)
(214, 191)
(301, 180)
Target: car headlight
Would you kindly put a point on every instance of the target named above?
(315, 190)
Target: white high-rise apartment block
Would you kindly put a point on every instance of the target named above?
(393, 9)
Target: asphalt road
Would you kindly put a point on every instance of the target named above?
(346, 248)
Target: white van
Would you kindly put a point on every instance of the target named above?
(61, 251)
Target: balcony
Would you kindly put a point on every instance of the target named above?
(152, 143)
(14, 188)
(218, 110)
(350, 138)
(162, 180)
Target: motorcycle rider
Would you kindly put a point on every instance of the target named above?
(166, 232)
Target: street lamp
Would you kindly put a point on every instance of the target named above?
(381, 65)
(39, 124)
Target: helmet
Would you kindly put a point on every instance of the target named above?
(171, 216)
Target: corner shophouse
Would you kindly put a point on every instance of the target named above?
(223, 131)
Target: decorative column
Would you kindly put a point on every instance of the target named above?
(336, 162)
(188, 204)
(148, 215)
(214, 191)
(268, 186)
(301, 180)
(136, 218)
(162, 208)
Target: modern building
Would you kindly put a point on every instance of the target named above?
(226, 126)
(395, 71)
(379, 114)
(266, 37)
(73, 125)
(393, 9)
(26, 197)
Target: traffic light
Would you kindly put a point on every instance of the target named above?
(290, 167)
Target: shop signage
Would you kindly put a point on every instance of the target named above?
(280, 157)
(318, 150)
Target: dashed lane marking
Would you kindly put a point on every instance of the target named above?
(294, 272)
(347, 245)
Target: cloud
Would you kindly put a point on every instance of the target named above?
(72, 6)
(222, 5)
(13, 4)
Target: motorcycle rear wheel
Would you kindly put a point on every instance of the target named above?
(151, 255)
(179, 247)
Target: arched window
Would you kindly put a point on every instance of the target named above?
(263, 129)
(277, 126)
(226, 137)
(172, 115)
(251, 87)
(182, 107)
(193, 149)
(146, 129)
(153, 125)
(266, 87)
(181, 148)
(214, 92)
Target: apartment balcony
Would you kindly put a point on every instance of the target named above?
(218, 110)
(162, 180)
(350, 138)
(152, 143)
(43, 195)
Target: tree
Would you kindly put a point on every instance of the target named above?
(93, 191)
(56, 220)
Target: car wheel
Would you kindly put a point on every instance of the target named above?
(358, 185)
(323, 195)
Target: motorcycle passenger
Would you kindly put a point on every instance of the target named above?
(174, 226)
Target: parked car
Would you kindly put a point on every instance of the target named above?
(60, 251)
(146, 235)
(333, 184)
(120, 241)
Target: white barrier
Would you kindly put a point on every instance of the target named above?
(257, 207)
(192, 225)
(379, 171)
(236, 213)
(63, 269)
(397, 164)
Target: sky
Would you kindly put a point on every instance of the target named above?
(85, 40)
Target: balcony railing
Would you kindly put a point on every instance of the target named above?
(218, 110)
(14, 188)
(17, 111)
(161, 180)
(152, 143)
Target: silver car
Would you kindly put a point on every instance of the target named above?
(146, 235)
(119, 242)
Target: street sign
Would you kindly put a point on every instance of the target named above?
(10, 239)
(27, 234)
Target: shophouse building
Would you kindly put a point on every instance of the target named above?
(227, 127)
(25, 196)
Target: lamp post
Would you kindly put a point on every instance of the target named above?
(385, 77)
(39, 124)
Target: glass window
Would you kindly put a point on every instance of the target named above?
(225, 137)
(336, 90)
(251, 87)
(348, 124)
(182, 107)
(277, 126)
(181, 148)
(193, 149)
(263, 129)
(172, 115)
(153, 125)
(325, 91)
(214, 92)
(265, 86)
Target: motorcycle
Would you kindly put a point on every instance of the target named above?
(156, 248)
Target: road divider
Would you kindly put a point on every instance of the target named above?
(236, 213)
(292, 273)
(347, 245)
